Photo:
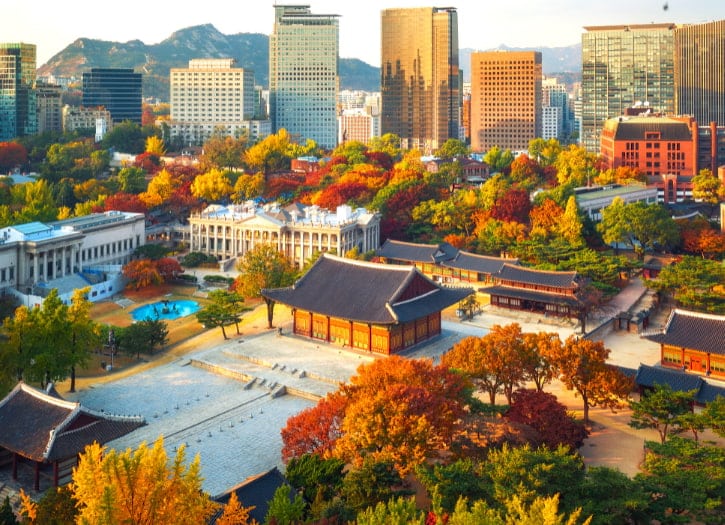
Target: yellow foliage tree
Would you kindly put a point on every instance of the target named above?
(235, 514)
(160, 189)
(248, 187)
(211, 186)
(139, 487)
(155, 145)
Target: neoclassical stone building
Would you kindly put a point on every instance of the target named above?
(297, 230)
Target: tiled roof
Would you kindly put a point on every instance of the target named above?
(635, 129)
(478, 263)
(649, 376)
(42, 427)
(698, 331)
(413, 252)
(511, 272)
(532, 295)
(365, 292)
(254, 492)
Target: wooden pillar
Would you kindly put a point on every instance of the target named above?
(294, 321)
(370, 337)
(15, 466)
(328, 329)
(350, 336)
(55, 473)
(36, 484)
(312, 326)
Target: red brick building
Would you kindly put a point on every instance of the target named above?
(366, 306)
(654, 145)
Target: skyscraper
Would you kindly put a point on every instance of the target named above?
(622, 65)
(116, 89)
(17, 98)
(506, 99)
(700, 72)
(303, 74)
(420, 81)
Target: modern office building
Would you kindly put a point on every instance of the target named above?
(557, 115)
(622, 65)
(212, 96)
(358, 125)
(699, 66)
(18, 115)
(420, 81)
(50, 115)
(303, 74)
(506, 99)
(118, 90)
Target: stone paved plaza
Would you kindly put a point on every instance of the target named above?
(227, 403)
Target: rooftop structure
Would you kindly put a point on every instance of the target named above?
(593, 200)
(49, 431)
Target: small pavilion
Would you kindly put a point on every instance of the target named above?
(40, 430)
(370, 307)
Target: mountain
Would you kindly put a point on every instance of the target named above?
(555, 61)
(251, 50)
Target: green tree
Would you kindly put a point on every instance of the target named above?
(497, 159)
(223, 152)
(388, 143)
(132, 180)
(451, 149)
(127, 137)
(284, 509)
(398, 511)
(7, 516)
(310, 473)
(640, 225)
(545, 151)
(373, 482)
(450, 482)
(226, 308)
(527, 474)
(260, 268)
(694, 282)
(142, 337)
(57, 507)
(661, 410)
(83, 333)
(36, 202)
(685, 481)
(612, 498)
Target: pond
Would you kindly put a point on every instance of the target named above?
(165, 309)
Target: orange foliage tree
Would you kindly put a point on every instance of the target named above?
(583, 367)
(315, 430)
(395, 409)
(142, 273)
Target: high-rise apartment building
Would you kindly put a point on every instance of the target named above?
(116, 89)
(18, 115)
(212, 96)
(420, 81)
(48, 100)
(622, 65)
(700, 72)
(303, 74)
(506, 99)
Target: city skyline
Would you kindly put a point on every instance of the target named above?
(551, 24)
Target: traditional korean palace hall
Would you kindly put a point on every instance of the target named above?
(692, 341)
(42, 434)
(367, 306)
(504, 281)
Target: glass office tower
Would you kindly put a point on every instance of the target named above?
(18, 114)
(623, 65)
(116, 89)
(303, 74)
(420, 82)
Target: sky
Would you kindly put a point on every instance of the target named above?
(482, 24)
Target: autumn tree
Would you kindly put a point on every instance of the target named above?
(160, 188)
(315, 430)
(235, 513)
(140, 486)
(127, 202)
(155, 145)
(142, 273)
(699, 236)
(12, 155)
(576, 165)
(402, 410)
(499, 160)
(248, 187)
(273, 153)
(389, 143)
(538, 352)
(583, 367)
(263, 267)
(223, 152)
(212, 186)
(545, 151)
(548, 417)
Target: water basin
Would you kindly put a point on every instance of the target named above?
(168, 310)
